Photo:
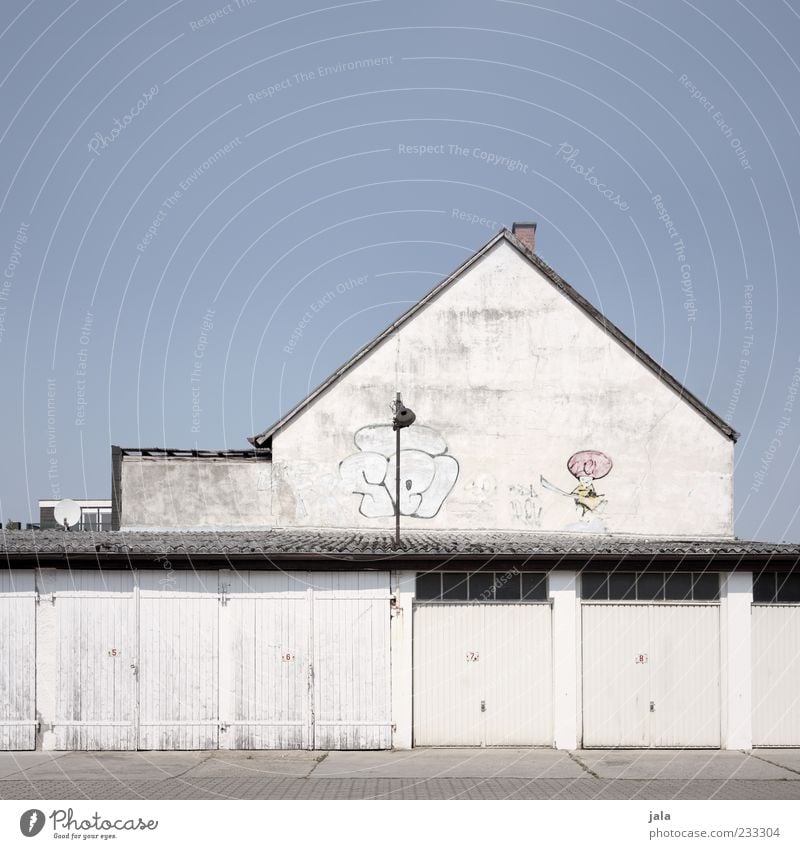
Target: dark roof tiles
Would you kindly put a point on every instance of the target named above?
(373, 542)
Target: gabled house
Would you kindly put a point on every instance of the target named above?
(567, 572)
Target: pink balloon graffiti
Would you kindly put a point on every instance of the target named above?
(593, 464)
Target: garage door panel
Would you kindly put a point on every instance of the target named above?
(616, 685)
(482, 675)
(96, 645)
(448, 639)
(776, 673)
(17, 661)
(269, 614)
(351, 666)
(685, 678)
(179, 651)
(307, 660)
(518, 675)
(651, 675)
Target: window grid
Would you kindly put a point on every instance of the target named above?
(95, 519)
(776, 588)
(483, 586)
(650, 586)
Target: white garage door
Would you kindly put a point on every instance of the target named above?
(179, 660)
(776, 673)
(351, 667)
(651, 675)
(269, 621)
(96, 661)
(311, 661)
(305, 656)
(483, 674)
(17, 660)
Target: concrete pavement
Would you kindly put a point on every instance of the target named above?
(417, 774)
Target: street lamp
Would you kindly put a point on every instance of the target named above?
(403, 417)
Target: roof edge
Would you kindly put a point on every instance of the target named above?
(660, 372)
(260, 439)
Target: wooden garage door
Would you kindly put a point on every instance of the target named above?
(179, 660)
(483, 674)
(268, 676)
(17, 660)
(96, 660)
(776, 674)
(309, 656)
(305, 656)
(651, 675)
(351, 667)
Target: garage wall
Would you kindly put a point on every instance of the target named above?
(233, 659)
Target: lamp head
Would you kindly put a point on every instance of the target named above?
(403, 416)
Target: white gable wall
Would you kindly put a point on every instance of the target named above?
(516, 379)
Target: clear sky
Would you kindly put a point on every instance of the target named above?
(181, 182)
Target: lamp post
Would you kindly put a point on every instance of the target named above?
(403, 417)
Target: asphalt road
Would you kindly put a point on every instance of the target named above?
(419, 774)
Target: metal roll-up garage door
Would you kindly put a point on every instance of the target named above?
(776, 673)
(179, 660)
(17, 660)
(483, 674)
(96, 660)
(651, 675)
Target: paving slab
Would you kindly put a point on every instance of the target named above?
(680, 764)
(155, 766)
(420, 773)
(251, 764)
(100, 765)
(12, 763)
(400, 788)
(787, 758)
(451, 763)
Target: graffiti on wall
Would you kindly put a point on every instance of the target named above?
(428, 473)
(525, 506)
(587, 466)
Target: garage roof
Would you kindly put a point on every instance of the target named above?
(342, 543)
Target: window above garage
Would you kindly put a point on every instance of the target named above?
(509, 585)
(776, 588)
(650, 586)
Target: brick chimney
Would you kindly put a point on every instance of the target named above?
(525, 231)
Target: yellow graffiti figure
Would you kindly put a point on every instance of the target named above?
(586, 496)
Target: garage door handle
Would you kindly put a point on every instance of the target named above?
(652, 707)
(483, 707)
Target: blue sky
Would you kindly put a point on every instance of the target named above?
(192, 177)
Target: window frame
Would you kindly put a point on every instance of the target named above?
(779, 581)
(96, 515)
(635, 599)
(543, 578)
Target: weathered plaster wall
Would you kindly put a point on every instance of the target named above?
(515, 379)
(195, 493)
